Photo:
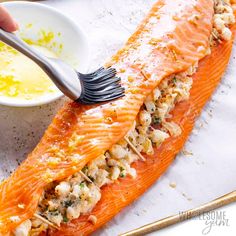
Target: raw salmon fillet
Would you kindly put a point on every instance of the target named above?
(166, 42)
(120, 194)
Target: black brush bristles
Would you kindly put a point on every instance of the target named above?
(100, 86)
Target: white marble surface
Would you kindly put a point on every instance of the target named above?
(203, 176)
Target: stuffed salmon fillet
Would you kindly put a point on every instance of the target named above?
(95, 160)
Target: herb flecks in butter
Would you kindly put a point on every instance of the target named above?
(48, 39)
(20, 77)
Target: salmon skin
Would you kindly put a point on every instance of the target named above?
(166, 42)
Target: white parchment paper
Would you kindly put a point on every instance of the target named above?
(208, 172)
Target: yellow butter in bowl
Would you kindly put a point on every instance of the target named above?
(20, 77)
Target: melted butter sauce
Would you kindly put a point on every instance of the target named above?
(20, 77)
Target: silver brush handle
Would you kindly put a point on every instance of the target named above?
(18, 44)
(63, 76)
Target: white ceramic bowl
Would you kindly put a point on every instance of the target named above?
(69, 40)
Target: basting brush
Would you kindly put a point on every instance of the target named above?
(99, 86)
